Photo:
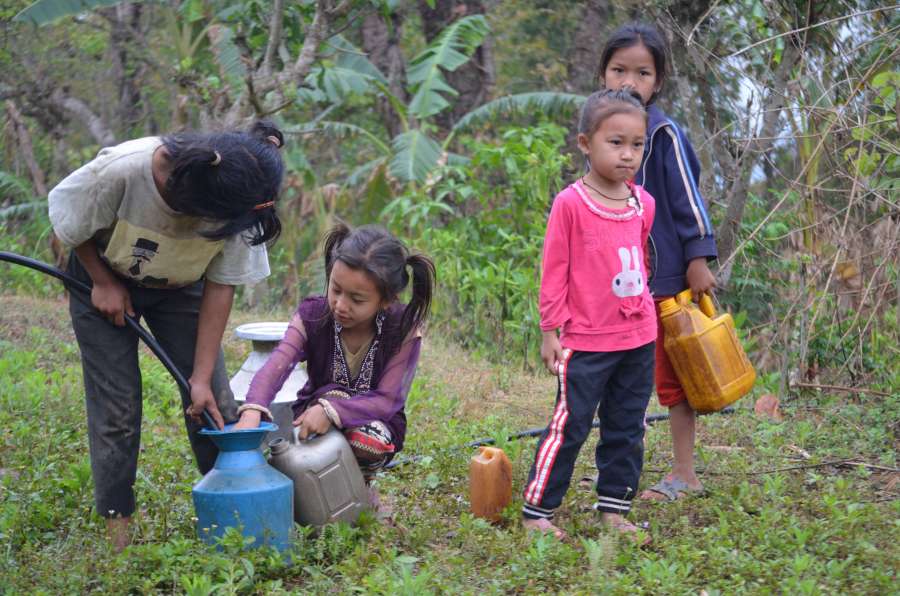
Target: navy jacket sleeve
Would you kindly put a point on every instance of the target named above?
(682, 171)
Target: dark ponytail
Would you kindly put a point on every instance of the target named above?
(229, 176)
(385, 259)
(423, 276)
(333, 239)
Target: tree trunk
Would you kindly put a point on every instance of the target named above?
(382, 43)
(128, 72)
(582, 65)
(26, 149)
(474, 79)
(582, 75)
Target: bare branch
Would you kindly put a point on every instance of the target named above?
(275, 26)
(314, 37)
(98, 128)
(876, 64)
(813, 26)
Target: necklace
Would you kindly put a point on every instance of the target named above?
(340, 373)
(632, 201)
(603, 194)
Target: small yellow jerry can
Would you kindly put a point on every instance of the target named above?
(705, 352)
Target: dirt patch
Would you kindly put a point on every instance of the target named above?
(484, 388)
(20, 314)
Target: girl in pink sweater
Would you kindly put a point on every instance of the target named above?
(594, 291)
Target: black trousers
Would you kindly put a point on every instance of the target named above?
(112, 382)
(616, 386)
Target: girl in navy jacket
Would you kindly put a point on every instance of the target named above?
(681, 238)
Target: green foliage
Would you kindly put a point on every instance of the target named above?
(493, 212)
(44, 12)
(18, 197)
(450, 50)
(821, 529)
(549, 103)
(415, 155)
(344, 70)
(228, 56)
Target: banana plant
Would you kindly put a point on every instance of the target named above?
(18, 196)
(413, 154)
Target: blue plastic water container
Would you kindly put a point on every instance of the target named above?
(243, 491)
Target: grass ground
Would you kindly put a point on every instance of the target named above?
(780, 515)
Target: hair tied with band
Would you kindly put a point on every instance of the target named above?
(217, 159)
(265, 205)
(275, 141)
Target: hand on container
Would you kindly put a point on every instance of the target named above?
(551, 351)
(699, 278)
(312, 421)
(202, 399)
(112, 299)
(249, 419)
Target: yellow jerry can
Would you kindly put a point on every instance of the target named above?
(705, 352)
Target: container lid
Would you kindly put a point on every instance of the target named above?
(668, 306)
(263, 331)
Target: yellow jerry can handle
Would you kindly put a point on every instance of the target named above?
(706, 304)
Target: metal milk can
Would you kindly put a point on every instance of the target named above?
(328, 485)
(265, 337)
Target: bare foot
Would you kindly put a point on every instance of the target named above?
(118, 529)
(544, 526)
(625, 528)
(672, 488)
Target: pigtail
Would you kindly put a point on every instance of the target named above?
(332, 241)
(423, 281)
(265, 130)
(192, 161)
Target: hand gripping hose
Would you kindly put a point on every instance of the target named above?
(84, 290)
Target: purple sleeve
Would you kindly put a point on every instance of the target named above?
(388, 398)
(269, 379)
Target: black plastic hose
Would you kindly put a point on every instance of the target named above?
(85, 290)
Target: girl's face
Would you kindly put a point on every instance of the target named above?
(616, 147)
(352, 296)
(632, 67)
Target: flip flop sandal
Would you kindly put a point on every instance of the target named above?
(674, 489)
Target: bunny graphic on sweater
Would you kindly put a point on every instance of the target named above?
(628, 282)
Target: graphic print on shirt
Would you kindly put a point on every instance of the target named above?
(142, 252)
(156, 259)
(628, 282)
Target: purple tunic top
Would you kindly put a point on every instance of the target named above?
(310, 337)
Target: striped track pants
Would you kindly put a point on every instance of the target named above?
(616, 386)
